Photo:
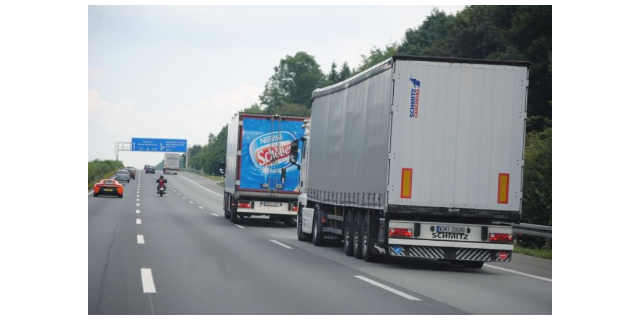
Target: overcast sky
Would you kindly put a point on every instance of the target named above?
(181, 72)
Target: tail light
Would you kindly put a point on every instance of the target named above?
(501, 237)
(401, 232)
(245, 205)
(295, 208)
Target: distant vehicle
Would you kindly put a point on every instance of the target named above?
(149, 169)
(122, 175)
(132, 172)
(108, 187)
(171, 163)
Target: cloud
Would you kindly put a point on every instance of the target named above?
(95, 74)
(96, 104)
(111, 122)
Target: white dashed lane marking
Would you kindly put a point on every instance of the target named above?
(380, 285)
(147, 281)
(281, 244)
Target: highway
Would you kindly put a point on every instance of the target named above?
(177, 254)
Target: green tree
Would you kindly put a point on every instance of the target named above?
(345, 72)
(255, 108)
(294, 80)
(536, 200)
(102, 169)
(433, 38)
(292, 109)
(333, 75)
(376, 55)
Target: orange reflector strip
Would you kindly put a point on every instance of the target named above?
(503, 188)
(405, 190)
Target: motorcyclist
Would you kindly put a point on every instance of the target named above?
(161, 183)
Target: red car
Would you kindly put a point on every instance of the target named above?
(132, 172)
(108, 187)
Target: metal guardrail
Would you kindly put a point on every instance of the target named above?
(532, 229)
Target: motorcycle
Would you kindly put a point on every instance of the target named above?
(162, 190)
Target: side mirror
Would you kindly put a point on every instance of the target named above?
(222, 166)
(293, 157)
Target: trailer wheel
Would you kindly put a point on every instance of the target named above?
(236, 218)
(301, 235)
(227, 214)
(317, 234)
(348, 233)
(357, 236)
(369, 233)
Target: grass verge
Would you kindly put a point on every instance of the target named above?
(540, 253)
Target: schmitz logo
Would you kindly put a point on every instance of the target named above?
(415, 98)
(271, 149)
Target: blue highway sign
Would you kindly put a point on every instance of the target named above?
(158, 145)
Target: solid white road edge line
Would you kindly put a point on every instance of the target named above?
(201, 186)
(281, 244)
(140, 239)
(380, 285)
(147, 281)
(520, 273)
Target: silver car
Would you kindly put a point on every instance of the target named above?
(122, 175)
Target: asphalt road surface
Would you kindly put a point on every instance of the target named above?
(177, 254)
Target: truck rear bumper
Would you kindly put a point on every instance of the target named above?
(264, 208)
(450, 251)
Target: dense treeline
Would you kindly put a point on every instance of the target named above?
(521, 33)
(102, 169)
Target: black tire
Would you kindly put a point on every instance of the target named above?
(161, 193)
(290, 222)
(473, 264)
(369, 236)
(235, 217)
(227, 213)
(316, 234)
(120, 196)
(95, 194)
(348, 233)
(357, 235)
(301, 235)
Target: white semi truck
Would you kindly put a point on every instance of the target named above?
(171, 163)
(416, 157)
(260, 180)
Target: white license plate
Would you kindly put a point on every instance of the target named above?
(451, 229)
(271, 204)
